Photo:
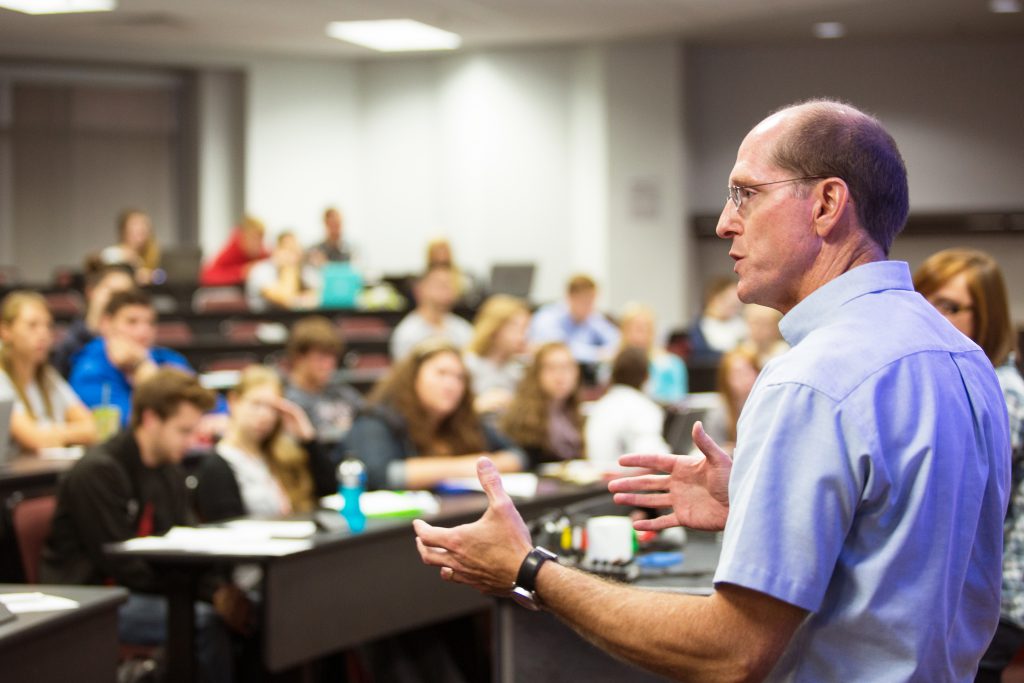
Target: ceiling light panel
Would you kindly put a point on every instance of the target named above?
(58, 6)
(394, 35)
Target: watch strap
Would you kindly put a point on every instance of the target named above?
(528, 570)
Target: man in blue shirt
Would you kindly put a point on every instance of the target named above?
(108, 368)
(590, 336)
(863, 509)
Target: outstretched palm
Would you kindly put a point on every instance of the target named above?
(696, 487)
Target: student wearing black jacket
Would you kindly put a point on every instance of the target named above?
(132, 486)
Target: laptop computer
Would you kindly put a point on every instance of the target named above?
(514, 279)
(6, 447)
(181, 264)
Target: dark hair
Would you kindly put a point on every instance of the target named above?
(461, 431)
(164, 391)
(314, 333)
(833, 139)
(630, 367)
(129, 297)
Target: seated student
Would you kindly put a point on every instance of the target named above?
(231, 264)
(737, 371)
(106, 371)
(625, 420)
(667, 378)
(720, 327)
(334, 248)
(435, 295)
(494, 355)
(314, 382)
(46, 411)
(544, 417)
(283, 281)
(590, 336)
(765, 338)
(136, 247)
(439, 255)
(419, 426)
(131, 486)
(100, 284)
(268, 462)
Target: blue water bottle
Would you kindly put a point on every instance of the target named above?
(351, 484)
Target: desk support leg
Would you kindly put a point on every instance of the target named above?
(181, 627)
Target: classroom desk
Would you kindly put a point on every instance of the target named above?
(27, 474)
(535, 646)
(344, 590)
(70, 645)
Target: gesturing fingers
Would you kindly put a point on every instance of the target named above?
(656, 524)
(662, 462)
(646, 482)
(707, 445)
(643, 500)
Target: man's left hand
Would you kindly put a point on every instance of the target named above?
(485, 554)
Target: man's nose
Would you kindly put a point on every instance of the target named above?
(726, 227)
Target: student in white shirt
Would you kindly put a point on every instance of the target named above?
(625, 419)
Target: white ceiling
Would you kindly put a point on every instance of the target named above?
(224, 30)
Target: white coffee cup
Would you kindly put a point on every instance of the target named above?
(609, 539)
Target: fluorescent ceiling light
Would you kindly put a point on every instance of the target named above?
(1004, 6)
(393, 35)
(829, 29)
(58, 6)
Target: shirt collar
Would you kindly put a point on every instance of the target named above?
(812, 312)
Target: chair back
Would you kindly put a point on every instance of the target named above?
(32, 518)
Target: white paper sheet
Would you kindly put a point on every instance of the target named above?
(389, 503)
(217, 541)
(20, 603)
(517, 485)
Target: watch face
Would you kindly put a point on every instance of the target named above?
(525, 598)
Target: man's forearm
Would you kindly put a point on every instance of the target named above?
(674, 635)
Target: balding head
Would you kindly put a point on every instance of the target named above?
(823, 138)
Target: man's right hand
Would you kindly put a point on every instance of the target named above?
(696, 487)
(125, 354)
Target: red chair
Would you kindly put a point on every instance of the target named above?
(32, 518)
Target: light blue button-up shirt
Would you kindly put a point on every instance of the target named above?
(869, 485)
(590, 340)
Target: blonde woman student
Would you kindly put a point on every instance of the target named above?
(47, 412)
(268, 463)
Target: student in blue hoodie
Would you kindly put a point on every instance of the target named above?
(108, 368)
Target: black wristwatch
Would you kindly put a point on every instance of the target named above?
(525, 589)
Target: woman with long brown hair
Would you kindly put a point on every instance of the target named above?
(967, 287)
(420, 427)
(47, 412)
(544, 417)
(136, 245)
(268, 462)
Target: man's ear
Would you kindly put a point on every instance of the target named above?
(832, 201)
